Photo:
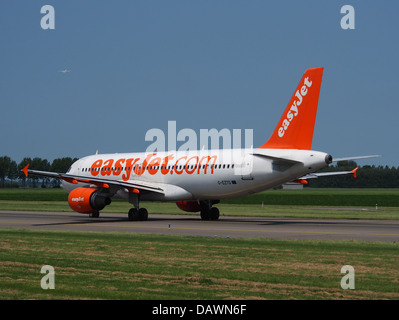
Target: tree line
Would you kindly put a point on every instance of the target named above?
(367, 176)
(11, 174)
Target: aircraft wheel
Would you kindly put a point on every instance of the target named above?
(143, 214)
(95, 214)
(133, 214)
(138, 215)
(205, 214)
(214, 213)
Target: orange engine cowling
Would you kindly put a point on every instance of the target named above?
(189, 206)
(87, 200)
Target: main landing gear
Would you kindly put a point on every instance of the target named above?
(136, 213)
(208, 212)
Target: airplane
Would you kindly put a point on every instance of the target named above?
(197, 180)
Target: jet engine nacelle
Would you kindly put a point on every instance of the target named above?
(87, 200)
(189, 206)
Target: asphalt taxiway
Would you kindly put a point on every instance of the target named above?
(226, 227)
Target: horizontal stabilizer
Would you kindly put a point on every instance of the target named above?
(355, 158)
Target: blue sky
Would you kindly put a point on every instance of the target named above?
(204, 64)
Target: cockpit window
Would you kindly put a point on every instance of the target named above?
(69, 169)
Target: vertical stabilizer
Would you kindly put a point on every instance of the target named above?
(295, 128)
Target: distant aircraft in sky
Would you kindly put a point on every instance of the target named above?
(197, 180)
(65, 71)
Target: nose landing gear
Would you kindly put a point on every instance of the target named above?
(136, 213)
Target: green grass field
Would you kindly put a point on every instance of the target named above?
(307, 203)
(135, 266)
(307, 196)
(92, 265)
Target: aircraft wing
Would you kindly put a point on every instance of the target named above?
(132, 186)
(333, 173)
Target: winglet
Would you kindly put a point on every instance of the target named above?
(25, 170)
(354, 172)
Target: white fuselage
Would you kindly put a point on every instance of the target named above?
(200, 174)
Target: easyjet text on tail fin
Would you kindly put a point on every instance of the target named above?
(295, 128)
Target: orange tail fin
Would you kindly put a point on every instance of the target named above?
(295, 128)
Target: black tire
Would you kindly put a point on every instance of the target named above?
(95, 214)
(214, 214)
(133, 214)
(143, 214)
(205, 214)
